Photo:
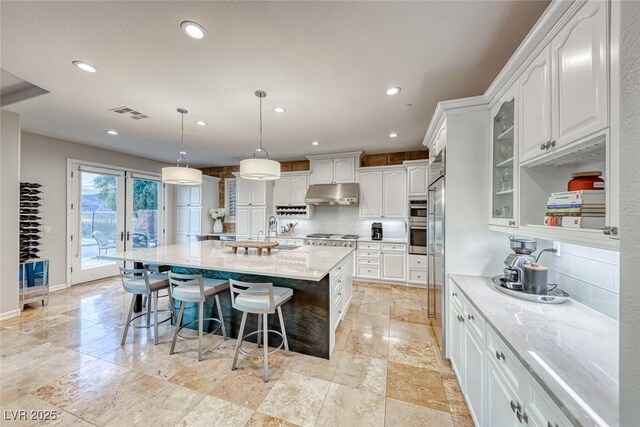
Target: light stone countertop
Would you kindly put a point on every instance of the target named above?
(305, 262)
(569, 348)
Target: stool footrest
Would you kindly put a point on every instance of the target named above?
(150, 320)
(204, 334)
(246, 353)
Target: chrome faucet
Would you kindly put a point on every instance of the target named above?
(273, 226)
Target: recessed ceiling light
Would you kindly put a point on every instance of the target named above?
(315, 143)
(193, 30)
(393, 135)
(111, 132)
(393, 90)
(84, 66)
(279, 109)
(201, 123)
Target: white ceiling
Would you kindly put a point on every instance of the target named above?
(328, 63)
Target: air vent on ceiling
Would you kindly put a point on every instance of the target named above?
(135, 115)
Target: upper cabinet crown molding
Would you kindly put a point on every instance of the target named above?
(357, 154)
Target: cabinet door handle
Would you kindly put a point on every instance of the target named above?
(523, 416)
(543, 145)
(515, 406)
(499, 355)
(454, 294)
(553, 143)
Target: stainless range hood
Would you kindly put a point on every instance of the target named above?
(332, 194)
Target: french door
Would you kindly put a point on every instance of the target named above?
(98, 222)
(111, 211)
(144, 207)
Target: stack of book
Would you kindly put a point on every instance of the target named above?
(576, 209)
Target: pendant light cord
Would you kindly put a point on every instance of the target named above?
(261, 149)
(183, 153)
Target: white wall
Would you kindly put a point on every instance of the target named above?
(44, 160)
(629, 214)
(9, 213)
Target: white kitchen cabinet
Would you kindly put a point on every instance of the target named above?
(322, 171)
(334, 168)
(456, 344)
(189, 195)
(504, 161)
(299, 186)
(250, 220)
(417, 181)
(502, 402)
(394, 266)
(534, 97)
(579, 64)
(282, 192)
(539, 410)
(251, 192)
(394, 193)
(344, 170)
(188, 223)
(371, 194)
(383, 193)
(473, 350)
(290, 190)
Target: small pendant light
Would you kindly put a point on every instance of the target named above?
(182, 175)
(257, 168)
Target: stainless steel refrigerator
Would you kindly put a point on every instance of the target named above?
(435, 248)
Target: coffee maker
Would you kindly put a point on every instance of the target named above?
(376, 231)
(514, 270)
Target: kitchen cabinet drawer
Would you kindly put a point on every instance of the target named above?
(394, 247)
(368, 254)
(369, 271)
(369, 246)
(418, 261)
(505, 360)
(455, 295)
(474, 320)
(539, 408)
(418, 276)
(368, 261)
(337, 273)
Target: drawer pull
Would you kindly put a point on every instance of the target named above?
(522, 416)
(470, 317)
(454, 294)
(499, 355)
(515, 406)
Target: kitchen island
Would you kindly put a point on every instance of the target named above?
(319, 276)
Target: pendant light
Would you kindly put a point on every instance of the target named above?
(182, 175)
(260, 168)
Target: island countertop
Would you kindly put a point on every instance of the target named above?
(305, 263)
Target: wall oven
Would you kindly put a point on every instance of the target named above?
(418, 227)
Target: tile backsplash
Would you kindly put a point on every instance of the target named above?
(346, 220)
(591, 276)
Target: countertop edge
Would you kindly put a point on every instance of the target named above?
(559, 401)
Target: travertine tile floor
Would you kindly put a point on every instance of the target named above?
(67, 358)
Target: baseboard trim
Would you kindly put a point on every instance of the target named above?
(10, 314)
(59, 287)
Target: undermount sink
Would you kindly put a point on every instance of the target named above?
(285, 248)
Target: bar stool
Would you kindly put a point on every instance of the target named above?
(261, 299)
(193, 288)
(138, 281)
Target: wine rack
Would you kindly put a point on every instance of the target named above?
(293, 211)
(33, 279)
(30, 221)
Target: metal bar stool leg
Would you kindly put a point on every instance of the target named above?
(178, 324)
(126, 325)
(259, 328)
(155, 317)
(239, 341)
(149, 307)
(265, 345)
(284, 332)
(200, 328)
(219, 307)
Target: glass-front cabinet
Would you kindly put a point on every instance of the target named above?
(504, 177)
